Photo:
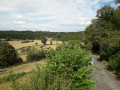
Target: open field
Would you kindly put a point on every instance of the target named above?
(21, 68)
(29, 66)
(17, 44)
(22, 80)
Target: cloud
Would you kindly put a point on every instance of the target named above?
(48, 15)
(19, 16)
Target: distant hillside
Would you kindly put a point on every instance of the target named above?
(39, 34)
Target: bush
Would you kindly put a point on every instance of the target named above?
(74, 63)
(35, 55)
(8, 55)
(114, 63)
(25, 41)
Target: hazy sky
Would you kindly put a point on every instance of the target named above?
(49, 15)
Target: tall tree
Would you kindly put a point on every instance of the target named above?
(105, 13)
(117, 1)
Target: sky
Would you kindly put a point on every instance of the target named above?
(49, 15)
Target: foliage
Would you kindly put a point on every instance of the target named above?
(114, 63)
(15, 76)
(104, 35)
(117, 1)
(44, 40)
(66, 69)
(36, 43)
(74, 64)
(39, 35)
(35, 55)
(44, 80)
(8, 55)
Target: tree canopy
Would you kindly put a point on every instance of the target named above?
(8, 55)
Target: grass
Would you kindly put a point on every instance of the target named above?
(6, 85)
(9, 77)
(27, 67)
(18, 44)
(98, 68)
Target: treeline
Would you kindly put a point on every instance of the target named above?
(103, 36)
(39, 34)
(25, 34)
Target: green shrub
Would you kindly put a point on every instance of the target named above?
(35, 55)
(114, 63)
(8, 55)
(45, 80)
(74, 63)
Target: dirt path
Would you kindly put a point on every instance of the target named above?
(105, 80)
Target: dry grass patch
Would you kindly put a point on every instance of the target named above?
(18, 44)
(21, 68)
(5, 86)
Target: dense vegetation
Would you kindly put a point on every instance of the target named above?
(103, 35)
(66, 69)
(8, 35)
(26, 34)
(8, 55)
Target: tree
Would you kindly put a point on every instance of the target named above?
(44, 40)
(8, 55)
(117, 1)
(105, 13)
(36, 43)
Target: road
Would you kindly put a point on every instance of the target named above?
(105, 80)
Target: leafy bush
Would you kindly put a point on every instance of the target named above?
(8, 55)
(74, 63)
(114, 63)
(35, 55)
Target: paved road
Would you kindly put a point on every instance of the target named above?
(105, 80)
